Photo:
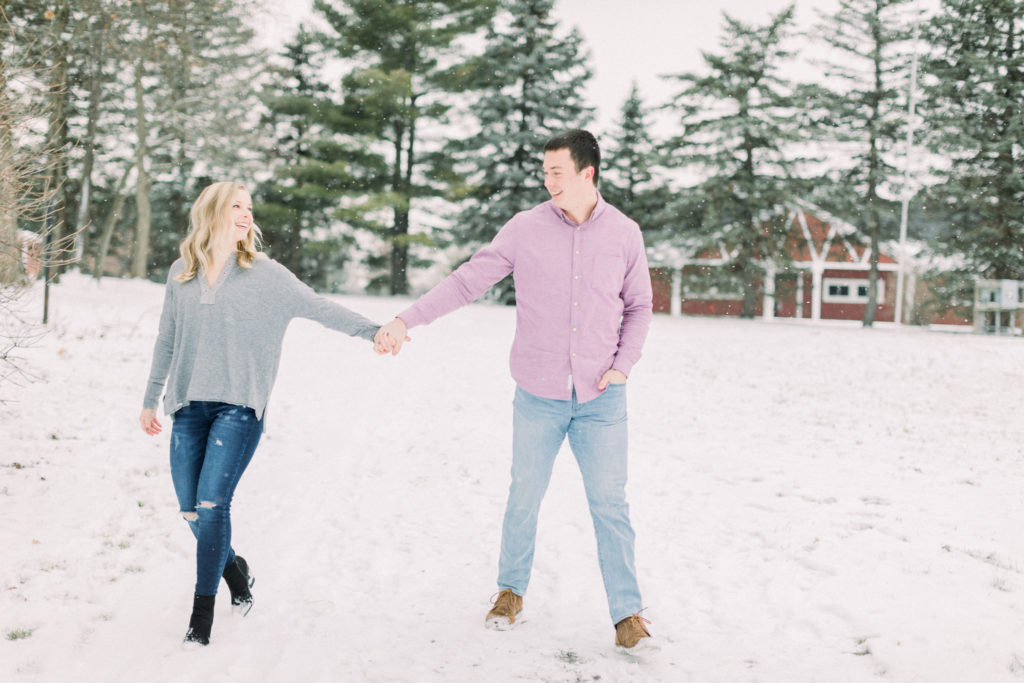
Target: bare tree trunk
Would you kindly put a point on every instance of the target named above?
(140, 256)
(57, 135)
(874, 168)
(400, 228)
(110, 223)
(748, 252)
(873, 230)
(84, 214)
(750, 290)
(9, 247)
(29, 177)
(180, 86)
(872, 304)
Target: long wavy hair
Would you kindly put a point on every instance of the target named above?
(211, 214)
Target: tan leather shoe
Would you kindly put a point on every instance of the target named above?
(631, 631)
(503, 615)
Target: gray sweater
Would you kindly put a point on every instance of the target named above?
(224, 343)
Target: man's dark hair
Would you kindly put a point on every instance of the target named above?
(582, 148)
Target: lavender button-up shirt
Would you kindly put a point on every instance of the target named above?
(583, 296)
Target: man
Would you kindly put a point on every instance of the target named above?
(583, 306)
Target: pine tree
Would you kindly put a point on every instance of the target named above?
(630, 178)
(865, 112)
(201, 109)
(311, 172)
(395, 93)
(738, 121)
(527, 86)
(974, 108)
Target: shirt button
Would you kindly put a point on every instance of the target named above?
(574, 329)
(574, 355)
(575, 303)
(576, 277)
(577, 251)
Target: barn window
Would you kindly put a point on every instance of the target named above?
(849, 291)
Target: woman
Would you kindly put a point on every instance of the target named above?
(226, 308)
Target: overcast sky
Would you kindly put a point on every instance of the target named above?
(633, 39)
(640, 40)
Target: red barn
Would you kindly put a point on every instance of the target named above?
(826, 277)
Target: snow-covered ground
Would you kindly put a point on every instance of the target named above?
(812, 503)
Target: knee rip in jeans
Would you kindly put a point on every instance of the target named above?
(194, 516)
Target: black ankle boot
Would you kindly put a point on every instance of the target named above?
(239, 581)
(201, 622)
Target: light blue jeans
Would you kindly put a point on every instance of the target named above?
(598, 438)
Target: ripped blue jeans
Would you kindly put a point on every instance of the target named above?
(211, 445)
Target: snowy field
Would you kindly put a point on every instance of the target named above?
(812, 503)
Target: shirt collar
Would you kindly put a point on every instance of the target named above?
(594, 215)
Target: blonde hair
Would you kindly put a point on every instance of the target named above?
(209, 216)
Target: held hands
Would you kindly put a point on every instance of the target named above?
(390, 337)
(149, 423)
(611, 377)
